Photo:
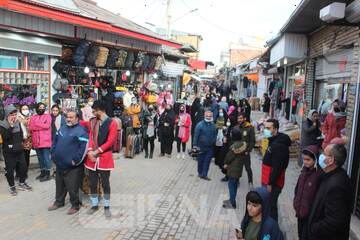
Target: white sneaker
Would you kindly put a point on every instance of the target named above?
(178, 156)
(183, 156)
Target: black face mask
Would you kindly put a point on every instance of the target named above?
(182, 110)
(40, 111)
(336, 110)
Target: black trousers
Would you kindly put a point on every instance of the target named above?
(303, 228)
(166, 146)
(67, 181)
(105, 181)
(148, 141)
(274, 197)
(180, 144)
(15, 161)
(220, 157)
(247, 163)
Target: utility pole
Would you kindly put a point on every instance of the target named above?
(168, 19)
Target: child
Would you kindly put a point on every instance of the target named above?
(257, 223)
(305, 189)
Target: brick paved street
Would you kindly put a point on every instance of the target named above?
(157, 198)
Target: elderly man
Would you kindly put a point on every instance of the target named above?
(331, 210)
(204, 140)
(68, 151)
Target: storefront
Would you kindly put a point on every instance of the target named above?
(25, 68)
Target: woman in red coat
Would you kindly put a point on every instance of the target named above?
(334, 123)
(183, 124)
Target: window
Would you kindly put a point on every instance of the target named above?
(38, 62)
(11, 59)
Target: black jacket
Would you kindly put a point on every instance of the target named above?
(266, 105)
(331, 210)
(167, 132)
(276, 160)
(310, 133)
(12, 142)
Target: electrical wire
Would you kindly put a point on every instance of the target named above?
(218, 26)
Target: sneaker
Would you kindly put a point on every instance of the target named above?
(107, 212)
(13, 191)
(178, 156)
(151, 156)
(24, 187)
(206, 178)
(40, 176)
(146, 155)
(72, 211)
(168, 155)
(54, 207)
(92, 210)
(225, 179)
(228, 205)
(46, 177)
(183, 156)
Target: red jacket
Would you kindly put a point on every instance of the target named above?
(187, 125)
(40, 128)
(105, 161)
(332, 128)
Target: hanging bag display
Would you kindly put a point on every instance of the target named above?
(139, 60)
(159, 61)
(112, 58)
(130, 60)
(92, 55)
(102, 57)
(81, 52)
(121, 61)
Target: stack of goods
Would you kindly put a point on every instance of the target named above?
(102, 57)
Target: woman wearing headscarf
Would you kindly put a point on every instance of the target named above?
(24, 119)
(197, 115)
(220, 146)
(311, 130)
(166, 131)
(149, 122)
(182, 133)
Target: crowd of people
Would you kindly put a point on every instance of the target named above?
(81, 144)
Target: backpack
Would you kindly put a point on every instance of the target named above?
(81, 52)
(158, 63)
(121, 61)
(61, 69)
(152, 63)
(112, 58)
(130, 60)
(139, 60)
(146, 63)
(60, 84)
(66, 54)
(102, 57)
(92, 55)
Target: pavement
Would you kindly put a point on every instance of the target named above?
(160, 198)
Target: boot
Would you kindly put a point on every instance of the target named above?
(41, 175)
(151, 155)
(46, 176)
(146, 154)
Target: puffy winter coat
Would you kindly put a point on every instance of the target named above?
(40, 127)
(332, 128)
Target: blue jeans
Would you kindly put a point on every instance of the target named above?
(233, 186)
(204, 159)
(43, 155)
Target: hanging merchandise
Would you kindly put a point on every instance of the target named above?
(112, 58)
(121, 61)
(159, 62)
(130, 60)
(152, 63)
(102, 57)
(139, 60)
(61, 68)
(60, 84)
(81, 52)
(92, 55)
(146, 63)
(66, 54)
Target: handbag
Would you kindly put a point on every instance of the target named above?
(220, 138)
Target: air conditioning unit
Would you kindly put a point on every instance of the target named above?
(353, 12)
(333, 12)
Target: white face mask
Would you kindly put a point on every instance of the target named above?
(90, 104)
(228, 124)
(25, 112)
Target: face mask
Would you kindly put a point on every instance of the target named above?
(208, 120)
(25, 112)
(228, 124)
(221, 114)
(90, 104)
(182, 110)
(322, 163)
(40, 111)
(267, 133)
(336, 110)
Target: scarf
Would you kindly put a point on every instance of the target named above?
(220, 122)
(5, 124)
(150, 131)
(24, 124)
(182, 129)
(231, 110)
(58, 122)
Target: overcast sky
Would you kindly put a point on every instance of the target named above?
(220, 22)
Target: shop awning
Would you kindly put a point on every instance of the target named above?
(24, 43)
(252, 76)
(64, 16)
